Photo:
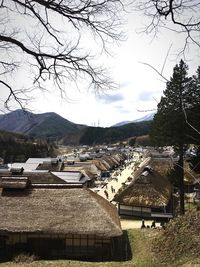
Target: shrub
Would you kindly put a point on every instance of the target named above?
(24, 258)
(180, 239)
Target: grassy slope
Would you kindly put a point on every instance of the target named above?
(98, 135)
(179, 243)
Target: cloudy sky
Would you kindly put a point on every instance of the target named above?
(139, 88)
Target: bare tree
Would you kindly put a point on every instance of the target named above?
(181, 16)
(48, 39)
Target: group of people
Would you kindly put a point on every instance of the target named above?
(153, 225)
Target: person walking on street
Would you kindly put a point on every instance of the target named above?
(106, 193)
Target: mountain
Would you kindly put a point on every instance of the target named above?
(148, 117)
(121, 123)
(48, 125)
(54, 127)
(98, 135)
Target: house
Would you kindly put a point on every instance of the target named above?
(16, 171)
(99, 164)
(70, 160)
(73, 223)
(37, 178)
(149, 195)
(74, 177)
(52, 164)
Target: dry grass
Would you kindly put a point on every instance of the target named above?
(180, 241)
(24, 258)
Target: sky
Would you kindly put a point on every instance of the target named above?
(139, 87)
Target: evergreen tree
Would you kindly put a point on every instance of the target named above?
(195, 160)
(169, 126)
(192, 109)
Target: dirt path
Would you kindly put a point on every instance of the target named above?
(116, 184)
(117, 181)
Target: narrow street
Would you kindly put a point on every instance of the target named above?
(120, 177)
(116, 182)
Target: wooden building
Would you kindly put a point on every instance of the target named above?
(57, 223)
(149, 195)
(35, 177)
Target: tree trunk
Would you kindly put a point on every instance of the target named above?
(181, 179)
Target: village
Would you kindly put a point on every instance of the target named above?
(100, 133)
(76, 206)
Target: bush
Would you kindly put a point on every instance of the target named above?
(180, 239)
(24, 258)
(198, 206)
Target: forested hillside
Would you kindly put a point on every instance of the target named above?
(98, 135)
(53, 127)
(18, 148)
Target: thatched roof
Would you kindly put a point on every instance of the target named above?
(59, 211)
(99, 165)
(14, 182)
(149, 189)
(118, 157)
(163, 165)
(87, 168)
(108, 162)
(90, 173)
(38, 177)
(115, 160)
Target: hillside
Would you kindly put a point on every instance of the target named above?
(148, 117)
(19, 147)
(48, 125)
(54, 127)
(180, 241)
(98, 135)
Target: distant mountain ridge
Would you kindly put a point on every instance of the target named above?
(147, 117)
(47, 124)
(54, 127)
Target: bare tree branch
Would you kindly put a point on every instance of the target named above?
(49, 37)
(182, 14)
(158, 72)
(13, 94)
(189, 124)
